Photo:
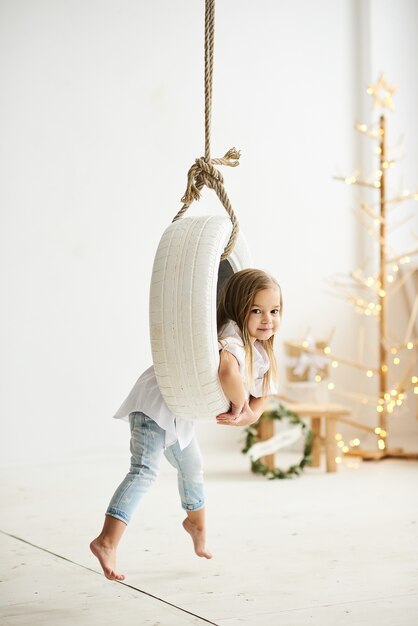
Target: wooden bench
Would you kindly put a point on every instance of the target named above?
(329, 414)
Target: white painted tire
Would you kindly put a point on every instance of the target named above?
(183, 298)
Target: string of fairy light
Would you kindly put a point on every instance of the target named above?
(393, 398)
(377, 288)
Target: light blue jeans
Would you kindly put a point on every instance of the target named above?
(147, 447)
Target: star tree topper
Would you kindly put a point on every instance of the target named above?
(382, 93)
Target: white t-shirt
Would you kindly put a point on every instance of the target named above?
(230, 339)
(145, 395)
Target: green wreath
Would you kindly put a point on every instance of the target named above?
(252, 437)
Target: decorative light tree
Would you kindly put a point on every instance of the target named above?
(370, 293)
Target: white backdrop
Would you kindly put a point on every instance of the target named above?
(102, 115)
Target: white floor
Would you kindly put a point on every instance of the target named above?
(322, 549)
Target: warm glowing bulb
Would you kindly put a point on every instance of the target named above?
(318, 378)
(327, 350)
(338, 436)
(384, 368)
(414, 379)
(379, 408)
(396, 360)
(334, 364)
(369, 373)
(409, 345)
(377, 430)
(338, 459)
(381, 444)
(341, 444)
(393, 350)
(331, 386)
(382, 293)
(395, 268)
(305, 344)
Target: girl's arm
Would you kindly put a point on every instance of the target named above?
(231, 381)
(251, 412)
(258, 406)
(242, 411)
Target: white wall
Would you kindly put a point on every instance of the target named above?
(102, 115)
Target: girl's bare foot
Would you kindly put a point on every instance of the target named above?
(199, 538)
(107, 559)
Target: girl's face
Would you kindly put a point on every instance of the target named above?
(264, 316)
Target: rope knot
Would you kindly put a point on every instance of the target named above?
(203, 172)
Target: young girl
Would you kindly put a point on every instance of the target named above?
(248, 316)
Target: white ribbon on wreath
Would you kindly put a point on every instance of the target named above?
(281, 440)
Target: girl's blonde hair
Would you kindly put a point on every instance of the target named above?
(235, 302)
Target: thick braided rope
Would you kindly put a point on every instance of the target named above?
(209, 48)
(203, 172)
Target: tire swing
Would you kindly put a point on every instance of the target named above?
(195, 257)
